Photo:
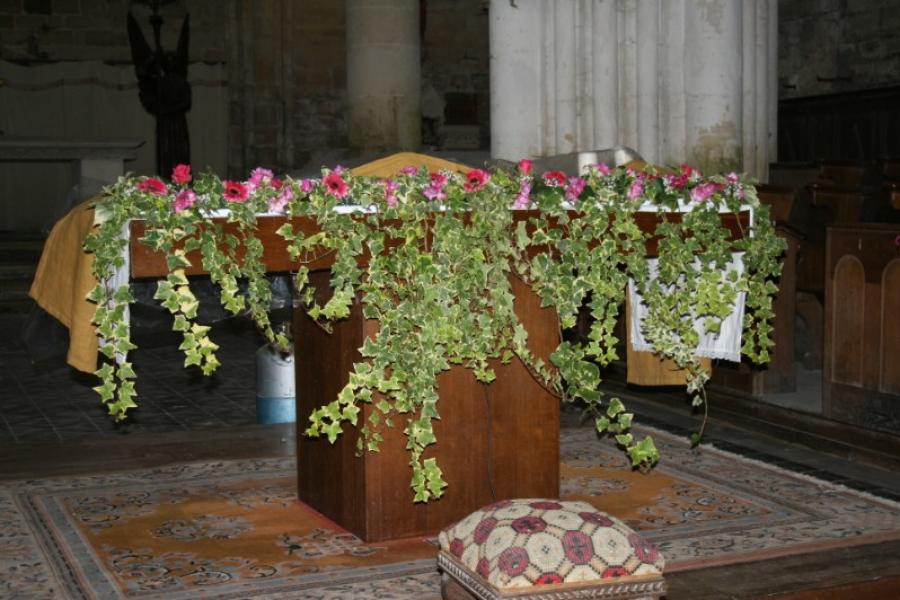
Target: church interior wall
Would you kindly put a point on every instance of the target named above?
(830, 46)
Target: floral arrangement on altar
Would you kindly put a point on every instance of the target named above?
(439, 249)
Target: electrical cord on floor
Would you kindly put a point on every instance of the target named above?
(489, 460)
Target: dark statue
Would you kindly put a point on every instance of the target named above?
(163, 87)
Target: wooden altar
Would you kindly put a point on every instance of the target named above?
(495, 441)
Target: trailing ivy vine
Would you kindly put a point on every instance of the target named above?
(431, 257)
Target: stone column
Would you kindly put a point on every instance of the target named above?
(677, 80)
(713, 84)
(515, 51)
(383, 74)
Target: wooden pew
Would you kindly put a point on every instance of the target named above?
(842, 194)
(862, 327)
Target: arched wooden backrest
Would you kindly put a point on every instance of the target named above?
(848, 288)
(889, 380)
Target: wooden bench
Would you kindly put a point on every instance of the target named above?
(862, 328)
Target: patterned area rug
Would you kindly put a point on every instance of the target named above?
(234, 529)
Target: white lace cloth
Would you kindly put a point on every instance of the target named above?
(724, 345)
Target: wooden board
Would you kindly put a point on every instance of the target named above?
(494, 442)
(862, 328)
(146, 262)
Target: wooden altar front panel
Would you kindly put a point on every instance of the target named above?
(146, 262)
(862, 328)
(494, 441)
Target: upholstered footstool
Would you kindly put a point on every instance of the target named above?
(543, 549)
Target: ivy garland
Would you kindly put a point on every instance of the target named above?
(442, 248)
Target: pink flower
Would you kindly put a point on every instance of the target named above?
(434, 193)
(278, 203)
(525, 166)
(475, 180)
(554, 178)
(153, 185)
(409, 170)
(335, 185)
(522, 199)
(390, 198)
(603, 169)
(276, 184)
(339, 170)
(184, 199)
(688, 171)
(704, 191)
(259, 176)
(636, 189)
(306, 185)
(181, 174)
(235, 191)
(438, 180)
(574, 189)
(732, 177)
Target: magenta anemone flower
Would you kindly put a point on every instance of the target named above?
(554, 178)
(476, 179)
(152, 185)
(235, 191)
(335, 185)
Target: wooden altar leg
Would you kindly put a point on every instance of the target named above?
(503, 437)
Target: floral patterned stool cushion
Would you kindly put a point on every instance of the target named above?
(535, 548)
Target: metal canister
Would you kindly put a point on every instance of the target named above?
(275, 392)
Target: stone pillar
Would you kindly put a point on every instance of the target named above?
(515, 50)
(383, 74)
(713, 81)
(677, 80)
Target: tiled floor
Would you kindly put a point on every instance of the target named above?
(52, 402)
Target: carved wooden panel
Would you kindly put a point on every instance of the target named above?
(862, 326)
(849, 287)
(890, 321)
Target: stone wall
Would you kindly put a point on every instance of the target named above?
(828, 46)
(288, 74)
(285, 64)
(78, 30)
